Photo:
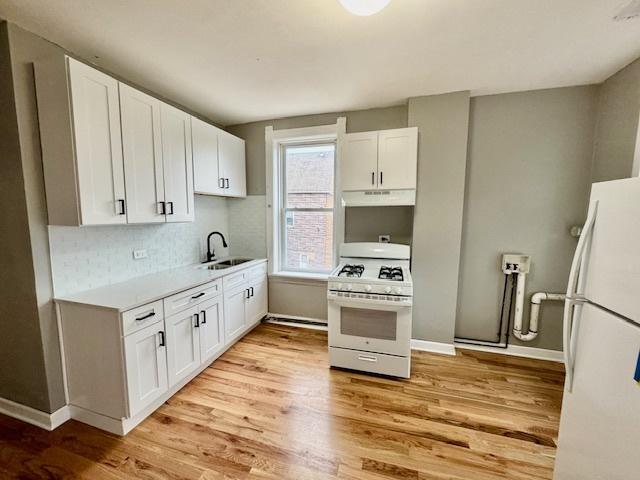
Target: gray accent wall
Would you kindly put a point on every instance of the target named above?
(528, 182)
(30, 370)
(442, 122)
(615, 143)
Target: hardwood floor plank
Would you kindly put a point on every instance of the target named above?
(271, 408)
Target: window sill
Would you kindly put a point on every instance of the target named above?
(317, 277)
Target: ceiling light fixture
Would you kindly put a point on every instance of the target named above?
(364, 8)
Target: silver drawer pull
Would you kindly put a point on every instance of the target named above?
(144, 317)
(367, 358)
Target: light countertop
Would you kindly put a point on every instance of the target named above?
(149, 288)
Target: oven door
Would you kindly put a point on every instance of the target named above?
(370, 325)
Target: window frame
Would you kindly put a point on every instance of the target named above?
(284, 209)
(274, 139)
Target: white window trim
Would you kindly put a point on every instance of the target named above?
(274, 139)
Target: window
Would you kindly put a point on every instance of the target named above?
(307, 185)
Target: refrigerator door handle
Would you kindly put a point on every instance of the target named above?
(572, 285)
(573, 302)
(572, 311)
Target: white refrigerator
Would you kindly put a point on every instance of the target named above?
(600, 421)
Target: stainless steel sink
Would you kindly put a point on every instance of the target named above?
(234, 261)
(218, 266)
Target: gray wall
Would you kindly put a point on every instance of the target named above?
(30, 370)
(302, 297)
(528, 181)
(442, 122)
(617, 125)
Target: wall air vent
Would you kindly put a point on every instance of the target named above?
(630, 11)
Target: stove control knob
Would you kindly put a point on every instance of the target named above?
(349, 287)
(368, 288)
(398, 290)
(387, 289)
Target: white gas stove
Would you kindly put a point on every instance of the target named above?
(370, 297)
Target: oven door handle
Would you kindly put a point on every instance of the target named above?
(369, 303)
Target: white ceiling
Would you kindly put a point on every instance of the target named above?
(236, 61)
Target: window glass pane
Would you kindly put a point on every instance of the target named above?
(309, 176)
(309, 241)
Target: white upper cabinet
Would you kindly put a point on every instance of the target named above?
(178, 164)
(359, 161)
(219, 163)
(101, 138)
(206, 178)
(79, 115)
(381, 160)
(232, 164)
(397, 158)
(142, 151)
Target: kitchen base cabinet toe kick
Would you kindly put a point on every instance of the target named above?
(121, 366)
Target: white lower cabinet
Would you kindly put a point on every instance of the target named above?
(211, 329)
(235, 308)
(121, 366)
(183, 344)
(258, 302)
(146, 365)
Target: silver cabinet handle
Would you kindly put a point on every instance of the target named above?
(227, 183)
(221, 182)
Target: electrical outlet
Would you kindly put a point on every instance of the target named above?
(139, 254)
(384, 238)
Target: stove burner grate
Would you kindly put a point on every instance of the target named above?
(351, 271)
(391, 273)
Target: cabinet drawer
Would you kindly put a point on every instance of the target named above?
(256, 273)
(140, 317)
(370, 362)
(189, 298)
(235, 279)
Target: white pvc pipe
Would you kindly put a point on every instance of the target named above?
(536, 299)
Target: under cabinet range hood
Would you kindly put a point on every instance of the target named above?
(379, 198)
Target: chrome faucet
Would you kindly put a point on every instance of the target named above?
(210, 252)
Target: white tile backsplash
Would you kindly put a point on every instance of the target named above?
(88, 257)
(247, 225)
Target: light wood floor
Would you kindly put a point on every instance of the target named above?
(270, 408)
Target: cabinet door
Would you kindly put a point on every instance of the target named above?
(146, 366)
(211, 329)
(359, 161)
(235, 312)
(206, 178)
(257, 305)
(397, 158)
(183, 344)
(177, 157)
(142, 151)
(232, 164)
(98, 145)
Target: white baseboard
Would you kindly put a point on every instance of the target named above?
(433, 347)
(518, 351)
(296, 317)
(45, 420)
